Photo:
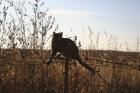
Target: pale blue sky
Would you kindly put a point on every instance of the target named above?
(118, 17)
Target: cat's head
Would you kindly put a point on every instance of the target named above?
(57, 35)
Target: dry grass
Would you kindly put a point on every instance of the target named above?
(31, 76)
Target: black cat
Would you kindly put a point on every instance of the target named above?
(68, 49)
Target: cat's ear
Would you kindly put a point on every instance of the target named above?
(62, 33)
(54, 33)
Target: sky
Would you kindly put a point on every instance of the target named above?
(120, 18)
(117, 18)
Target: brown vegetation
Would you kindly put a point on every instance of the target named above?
(24, 71)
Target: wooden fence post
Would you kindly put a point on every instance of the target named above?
(66, 85)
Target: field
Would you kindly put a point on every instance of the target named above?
(23, 71)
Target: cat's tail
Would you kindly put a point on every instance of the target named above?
(90, 69)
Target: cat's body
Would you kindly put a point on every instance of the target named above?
(67, 48)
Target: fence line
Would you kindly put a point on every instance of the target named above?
(41, 62)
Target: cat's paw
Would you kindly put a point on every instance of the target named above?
(48, 63)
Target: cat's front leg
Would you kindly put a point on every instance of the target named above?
(52, 56)
(48, 63)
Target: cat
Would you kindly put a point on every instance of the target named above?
(68, 49)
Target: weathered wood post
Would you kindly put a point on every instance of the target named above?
(66, 75)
